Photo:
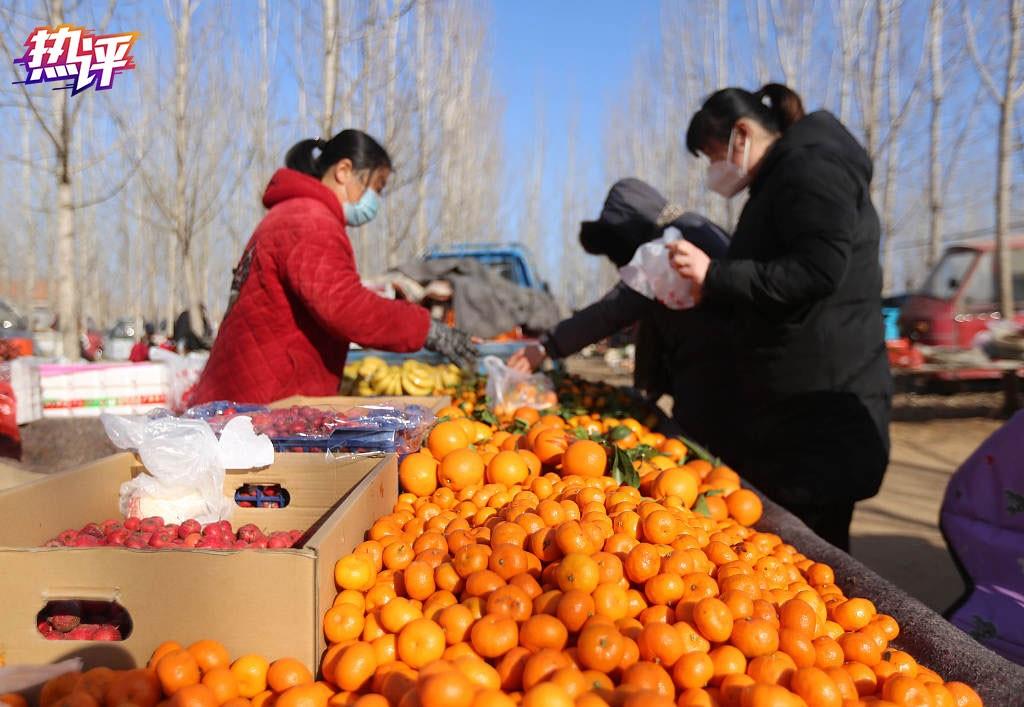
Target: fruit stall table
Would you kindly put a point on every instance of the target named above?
(1009, 371)
(926, 635)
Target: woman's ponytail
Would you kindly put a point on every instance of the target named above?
(363, 151)
(783, 103)
(775, 107)
(301, 158)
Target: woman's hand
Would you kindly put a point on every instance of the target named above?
(527, 359)
(454, 344)
(689, 261)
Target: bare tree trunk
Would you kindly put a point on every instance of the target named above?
(29, 232)
(391, 70)
(1006, 98)
(872, 127)
(1004, 178)
(68, 308)
(422, 119)
(183, 227)
(262, 126)
(849, 27)
(330, 29)
(935, 134)
(300, 81)
(892, 153)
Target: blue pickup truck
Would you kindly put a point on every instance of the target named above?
(511, 260)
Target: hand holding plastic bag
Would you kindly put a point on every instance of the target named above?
(650, 273)
(509, 389)
(185, 476)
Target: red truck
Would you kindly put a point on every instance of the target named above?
(959, 299)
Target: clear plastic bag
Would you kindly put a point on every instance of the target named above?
(508, 389)
(396, 427)
(185, 476)
(650, 273)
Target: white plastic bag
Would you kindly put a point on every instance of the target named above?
(185, 372)
(508, 389)
(651, 274)
(20, 678)
(185, 476)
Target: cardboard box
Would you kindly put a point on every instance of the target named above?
(266, 602)
(430, 402)
(88, 389)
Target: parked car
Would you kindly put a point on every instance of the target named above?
(121, 338)
(15, 331)
(960, 298)
(12, 323)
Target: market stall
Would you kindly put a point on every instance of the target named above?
(459, 570)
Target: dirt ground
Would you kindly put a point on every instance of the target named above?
(896, 533)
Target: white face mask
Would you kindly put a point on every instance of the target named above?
(724, 177)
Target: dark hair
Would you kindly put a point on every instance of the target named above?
(775, 107)
(362, 150)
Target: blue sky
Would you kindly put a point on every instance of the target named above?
(558, 60)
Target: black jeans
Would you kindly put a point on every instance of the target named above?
(829, 520)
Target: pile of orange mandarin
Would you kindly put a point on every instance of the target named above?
(526, 566)
(515, 570)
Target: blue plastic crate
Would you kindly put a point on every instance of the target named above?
(501, 349)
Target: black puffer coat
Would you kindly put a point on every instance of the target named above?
(801, 284)
(682, 353)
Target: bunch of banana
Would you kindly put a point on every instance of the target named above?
(373, 376)
(419, 378)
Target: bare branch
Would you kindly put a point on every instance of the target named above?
(979, 64)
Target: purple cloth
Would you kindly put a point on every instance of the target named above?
(982, 518)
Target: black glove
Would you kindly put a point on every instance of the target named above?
(453, 344)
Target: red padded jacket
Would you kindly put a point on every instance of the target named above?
(300, 303)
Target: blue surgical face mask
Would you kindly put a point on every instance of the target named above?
(362, 211)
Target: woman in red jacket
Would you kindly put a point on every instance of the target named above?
(297, 300)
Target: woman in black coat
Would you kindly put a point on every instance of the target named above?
(678, 352)
(801, 283)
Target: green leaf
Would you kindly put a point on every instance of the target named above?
(643, 452)
(701, 506)
(581, 433)
(713, 492)
(446, 418)
(622, 469)
(700, 452)
(486, 416)
(519, 427)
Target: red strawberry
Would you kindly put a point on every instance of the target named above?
(107, 633)
(250, 533)
(280, 539)
(84, 632)
(188, 527)
(88, 540)
(64, 622)
(151, 524)
(92, 529)
(118, 537)
(111, 525)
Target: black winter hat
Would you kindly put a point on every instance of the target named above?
(633, 214)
